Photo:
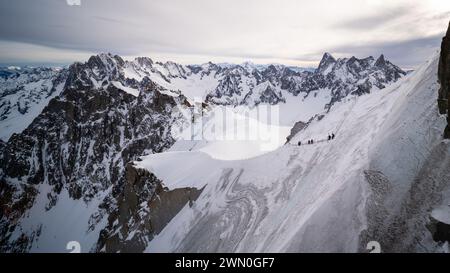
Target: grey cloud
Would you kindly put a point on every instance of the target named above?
(104, 26)
(86, 28)
(404, 53)
(376, 20)
(92, 27)
(110, 20)
(142, 27)
(443, 15)
(407, 54)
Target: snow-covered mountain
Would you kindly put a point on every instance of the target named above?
(99, 161)
(250, 66)
(24, 92)
(250, 85)
(70, 161)
(338, 77)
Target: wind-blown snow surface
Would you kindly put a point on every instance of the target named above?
(312, 197)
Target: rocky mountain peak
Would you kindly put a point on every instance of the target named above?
(105, 61)
(144, 62)
(271, 70)
(326, 61)
(381, 61)
(98, 71)
(352, 59)
(209, 66)
(249, 66)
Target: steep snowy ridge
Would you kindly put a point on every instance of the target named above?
(333, 196)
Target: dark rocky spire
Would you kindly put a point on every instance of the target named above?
(381, 61)
(444, 80)
(327, 59)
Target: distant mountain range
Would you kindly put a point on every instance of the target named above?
(26, 91)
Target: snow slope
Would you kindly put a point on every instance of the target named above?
(129, 90)
(314, 198)
(231, 133)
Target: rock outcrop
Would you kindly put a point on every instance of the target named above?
(298, 126)
(439, 230)
(444, 80)
(144, 208)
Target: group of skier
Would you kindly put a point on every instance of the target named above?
(330, 137)
(311, 141)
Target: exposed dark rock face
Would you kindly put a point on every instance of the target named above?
(81, 143)
(327, 60)
(298, 126)
(444, 80)
(439, 230)
(144, 209)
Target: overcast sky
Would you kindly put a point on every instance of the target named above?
(196, 31)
